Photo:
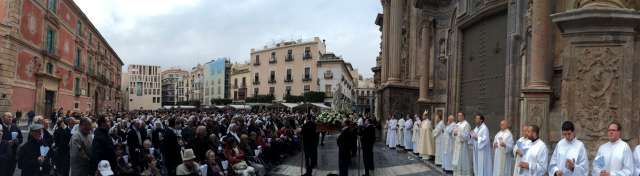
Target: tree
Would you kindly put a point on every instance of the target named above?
(221, 101)
(293, 99)
(260, 99)
(315, 97)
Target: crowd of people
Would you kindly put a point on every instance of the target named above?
(150, 143)
(461, 149)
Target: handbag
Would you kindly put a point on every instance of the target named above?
(242, 165)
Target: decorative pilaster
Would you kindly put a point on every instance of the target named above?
(425, 57)
(385, 41)
(395, 37)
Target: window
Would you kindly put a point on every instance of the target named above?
(235, 83)
(307, 53)
(76, 105)
(288, 90)
(328, 74)
(79, 27)
(78, 57)
(50, 40)
(327, 90)
(289, 55)
(49, 68)
(272, 77)
(256, 79)
(244, 83)
(307, 88)
(272, 91)
(257, 62)
(52, 5)
(288, 78)
(255, 91)
(76, 88)
(307, 73)
(90, 64)
(273, 58)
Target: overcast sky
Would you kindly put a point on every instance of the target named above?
(186, 32)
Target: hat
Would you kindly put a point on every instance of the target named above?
(35, 126)
(187, 154)
(104, 168)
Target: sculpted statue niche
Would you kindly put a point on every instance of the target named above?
(606, 3)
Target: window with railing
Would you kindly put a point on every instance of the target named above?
(50, 44)
(256, 78)
(255, 91)
(272, 77)
(307, 53)
(328, 74)
(328, 91)
(79, 28)
(273, 58)
(76, 87)
(307, 74)
(78, 62)
(288, 90)
(257, 61)
(288, 78)
(90, 64)
(289, 56)
(52, 5)
(307, 88)
(272, 91)
(49, 68)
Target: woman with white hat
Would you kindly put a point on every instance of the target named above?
(188, 166)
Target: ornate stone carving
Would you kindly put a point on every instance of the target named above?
(596, 81)
(604, 3)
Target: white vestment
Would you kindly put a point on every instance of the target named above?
(536, 157)
(636, 157)
(617, 159)
(416, 135)
(461, 158)
(438, 133)
(408, 127)
(503, 157)
(400, 132)
(427, 146)
(449, 143)
(569, 150)
(392, 127)
(482, 151)
(523, 144)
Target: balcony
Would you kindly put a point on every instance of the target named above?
(78, 68)
(50, 53)
(272, 61)
(288, 80)
(306, 56)
(256, 82)
(256, 63)
(288, 58)
(328, 75)
(272, 81)
(306, 79)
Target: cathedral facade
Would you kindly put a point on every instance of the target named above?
(528, 61)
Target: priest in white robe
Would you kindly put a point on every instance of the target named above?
(502, 155)
(614, 157)
(408, 133)
(438, 134)
(482, 148)
(569, 158)
(415, 139)
(636, 160)
(427, 147)
(392, 128)
(400, 132)
(534, 162)
(449, 144)
(518, 150)
(462, 165)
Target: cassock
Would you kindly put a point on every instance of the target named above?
(448, 146)
(569, 150)
(392, 127)
(438, 134)
(523, 144)
(482, 151)
(636, 157)
(461, 157)
(502, 155)
(400, 132)
(426, 148)
(536, 156)
(614, 157)
(408, 127)
(416, 138)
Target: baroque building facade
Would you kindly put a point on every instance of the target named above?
(527, 61)
(51, 57)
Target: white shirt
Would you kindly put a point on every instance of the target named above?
(536, 157)
(618, 159)
(569, 150)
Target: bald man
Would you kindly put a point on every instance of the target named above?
(503, 145)
(13, 137)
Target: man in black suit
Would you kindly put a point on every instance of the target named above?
(170, 147)
(368, 139)
(344, 148)
(310, 144)
(10, 130)
(135, 138)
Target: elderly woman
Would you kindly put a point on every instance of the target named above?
(235, 157)
(212, 167)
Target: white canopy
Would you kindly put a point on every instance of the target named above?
(246, 107)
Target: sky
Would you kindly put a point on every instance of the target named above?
(184, 33)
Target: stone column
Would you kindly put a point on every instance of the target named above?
(395, 37)
(385, 42)
(540, 42)
(425, 56)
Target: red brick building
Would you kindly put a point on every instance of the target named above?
(51, 56)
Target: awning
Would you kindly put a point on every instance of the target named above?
(291, 105)
(246, 107)
(320, 105)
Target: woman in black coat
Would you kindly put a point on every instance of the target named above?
(61, 138)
